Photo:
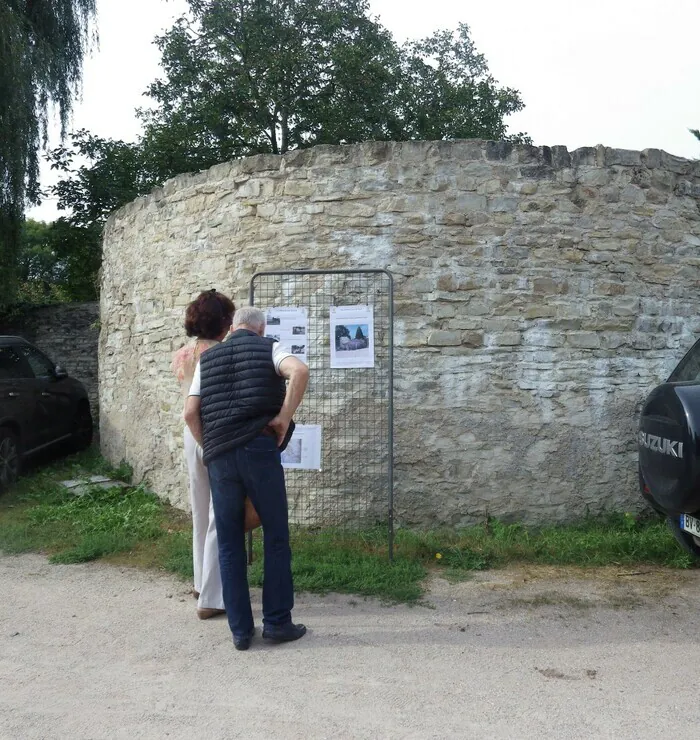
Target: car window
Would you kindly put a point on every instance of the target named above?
(12, 366)
(688, 368)
(41, 366)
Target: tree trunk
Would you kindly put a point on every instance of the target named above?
(285, 132)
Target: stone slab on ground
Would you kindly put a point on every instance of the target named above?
(80, 486)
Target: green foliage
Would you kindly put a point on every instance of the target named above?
(265, 77)
(256, 77)
(132, 526)
(249, 77)
(447, 92)
(42, 45)
(102, 175)
(615, 539)
(57, 262)
(79, 251)
(348, 562)
(41, 272)
(99, 511)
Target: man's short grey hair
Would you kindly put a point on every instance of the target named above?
(249, 316)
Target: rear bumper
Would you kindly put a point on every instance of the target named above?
(646, 495)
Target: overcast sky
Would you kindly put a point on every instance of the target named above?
(624, 73)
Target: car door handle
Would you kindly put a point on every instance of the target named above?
(12, 394)
(45, 394)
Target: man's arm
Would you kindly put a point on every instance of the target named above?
(297, 373)
(193, 418)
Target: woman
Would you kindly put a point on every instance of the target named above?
(208, 320)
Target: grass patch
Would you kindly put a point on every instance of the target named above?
(616, 539)
(40, 515)
(348, 562)
(131, 526)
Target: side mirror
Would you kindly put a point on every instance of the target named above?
(59, 373)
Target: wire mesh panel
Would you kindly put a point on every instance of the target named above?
(352, 405)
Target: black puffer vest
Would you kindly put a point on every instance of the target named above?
(240, 392)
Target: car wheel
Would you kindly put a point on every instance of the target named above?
(9, 458)
(82, 428)
(686, 540)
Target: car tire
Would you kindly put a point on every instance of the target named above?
(686, 540)
(81, 436)
(10, 458)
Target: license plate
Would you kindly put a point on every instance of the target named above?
(690, 524)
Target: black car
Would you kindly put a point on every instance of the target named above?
(40, 405)
(669, 450)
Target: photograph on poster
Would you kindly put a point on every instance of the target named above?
(304, 449)
(288, 325)
(352, 336)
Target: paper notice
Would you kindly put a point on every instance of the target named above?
(290, 326)
(304, 449)
(352, 336)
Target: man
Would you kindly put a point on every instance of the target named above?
(240, 410)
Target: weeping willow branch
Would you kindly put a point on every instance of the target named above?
(42, 47)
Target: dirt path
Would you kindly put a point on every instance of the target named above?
(100, 652)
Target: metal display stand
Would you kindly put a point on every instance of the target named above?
(354, 406)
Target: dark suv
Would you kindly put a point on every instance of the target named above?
(39, 406)
(669, 450)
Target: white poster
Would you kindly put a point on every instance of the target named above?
(304, 449)
(290, 326)
(352, 336)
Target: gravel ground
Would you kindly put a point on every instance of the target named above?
(97, 651)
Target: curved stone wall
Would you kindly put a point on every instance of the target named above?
(540, 294)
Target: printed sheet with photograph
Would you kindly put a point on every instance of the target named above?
(290, 326)
(304, 449)
(352, 336)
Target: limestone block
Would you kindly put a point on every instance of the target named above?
(503, 204)
(548, 286)
(351, 209)
(472, 338)
(633, 194)
(583, 339)
(540, 311)
(439, 338)
(507, 339)
(528, 188)
(299, 188)
(626, 306)
(624, 157)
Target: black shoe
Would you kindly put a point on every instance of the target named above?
(243, 642)
(287, 633)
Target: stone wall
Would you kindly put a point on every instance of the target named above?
(68, 334)
(540, 294)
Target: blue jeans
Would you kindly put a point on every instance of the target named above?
(253, 470)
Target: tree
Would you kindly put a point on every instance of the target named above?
(42, 46)
(101, 175)
(110, 173)
(248, 77)
(447, 91)
(258, 76)
(265, 76)
(41, 272)
(696, 133)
